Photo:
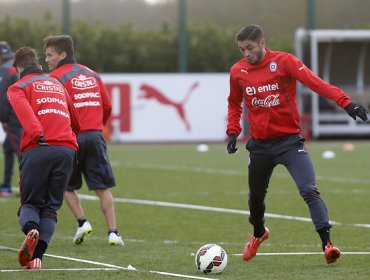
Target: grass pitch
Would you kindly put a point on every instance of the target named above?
(162, 238)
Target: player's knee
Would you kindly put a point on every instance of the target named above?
(309, 192)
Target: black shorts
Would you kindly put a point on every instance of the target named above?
(44, 174)
(93, 163)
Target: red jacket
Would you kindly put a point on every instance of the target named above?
(269, 93)
(88, 94)
(43, 106)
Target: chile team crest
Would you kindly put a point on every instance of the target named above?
(273, 66)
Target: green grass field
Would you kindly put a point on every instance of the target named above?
(162, 238)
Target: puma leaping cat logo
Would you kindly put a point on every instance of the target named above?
(149, 92)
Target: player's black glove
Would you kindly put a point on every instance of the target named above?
(356, 110)
(42, 141)
(231, 145)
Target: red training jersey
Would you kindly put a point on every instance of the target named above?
(269, 92)
(88, 94)
(43, 106)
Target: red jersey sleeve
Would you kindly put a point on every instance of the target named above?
(106, 102)
(24, 112)
(235, 108)
(303, 74)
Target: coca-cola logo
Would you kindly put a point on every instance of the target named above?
(268, 101)
(48, 86)
(83, 82)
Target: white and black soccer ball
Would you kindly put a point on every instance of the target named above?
(211, 259)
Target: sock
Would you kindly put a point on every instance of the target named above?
(40, 249)
(325, 236)
(30, 226)
(112, 230)
(259, 231)
(81, 221)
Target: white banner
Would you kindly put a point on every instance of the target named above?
(168, 107)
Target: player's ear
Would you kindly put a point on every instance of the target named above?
(63, 55)
(263, 42)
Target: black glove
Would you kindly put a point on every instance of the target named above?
(356, 110)
(42, 141)
(231, 145)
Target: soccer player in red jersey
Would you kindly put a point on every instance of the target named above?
(12, 127)
(93, 104)
(266, 81)
(48, 147)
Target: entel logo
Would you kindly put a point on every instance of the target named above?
(261, 89)
(83, 82)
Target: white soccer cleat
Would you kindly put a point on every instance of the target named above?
(82, 232)
(115, 239)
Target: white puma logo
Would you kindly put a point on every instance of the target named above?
(244, 70)
(300, 68)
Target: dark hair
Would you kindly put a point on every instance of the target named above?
(251, 32)
(61, 43)
(25, 57)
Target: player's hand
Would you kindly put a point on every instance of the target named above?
(356, 110)
(231, 145)
(42, 141)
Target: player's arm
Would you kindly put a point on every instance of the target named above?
(106, 102)
(4, 102)
(25, 114)
(4, 107)
(234, 112)
(303, 74)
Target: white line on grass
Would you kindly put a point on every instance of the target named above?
(112, 266)
(200, 207)
(238, 173)
(301, 253)
(208, 208)
(297, 254)
(65, 269)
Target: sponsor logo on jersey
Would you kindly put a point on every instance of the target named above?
(83, 82)
(269, 101)
(261, 89)
(244, 70)
(45, 100)
(48, 86)
(273, 66)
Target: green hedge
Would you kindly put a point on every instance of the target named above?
(127, 50)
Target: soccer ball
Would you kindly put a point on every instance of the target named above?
(211, 259)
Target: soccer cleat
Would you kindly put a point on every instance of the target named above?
(251, 248)
(28, 246)
(82, 232)
(331, 253)
(115, 239)
(34, 264)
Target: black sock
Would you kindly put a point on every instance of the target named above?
(112, 230)
(325, 236)
(30, 226)
(259, 231)
(81, 221)
(40, 249)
